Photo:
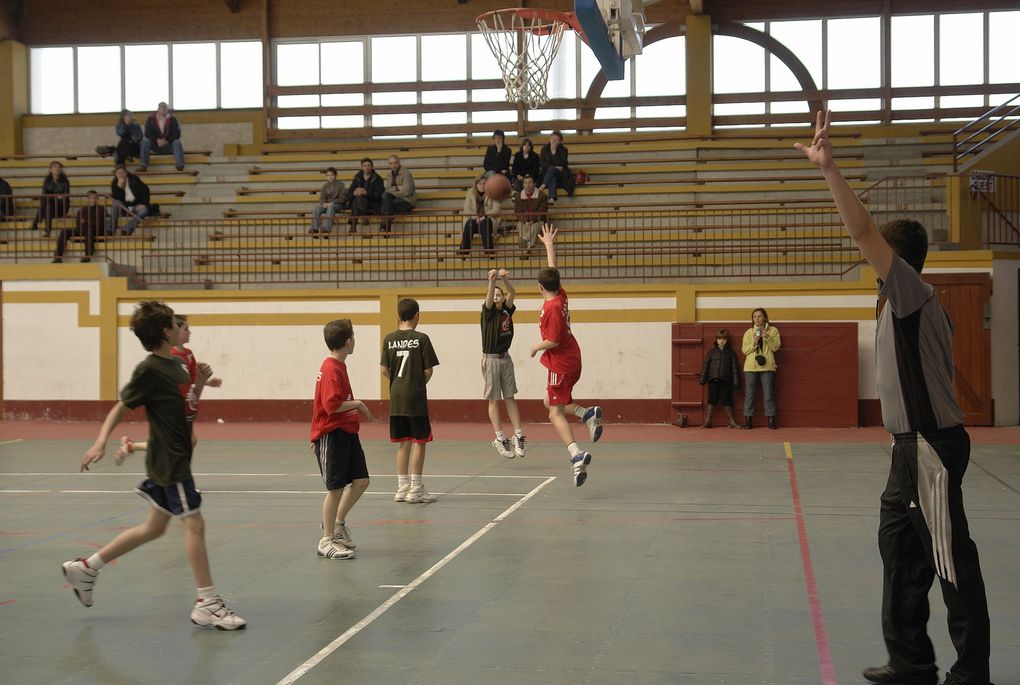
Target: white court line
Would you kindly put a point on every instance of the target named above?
(255, 492)
(406, 590)
(393, 586)
(11, 442)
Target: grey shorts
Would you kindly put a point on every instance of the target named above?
(498, 372)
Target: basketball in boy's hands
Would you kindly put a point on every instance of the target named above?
(497, 187)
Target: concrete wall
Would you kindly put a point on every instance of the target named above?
(1006, 339)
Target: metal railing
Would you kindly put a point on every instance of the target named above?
(922, 198)
(974, 137)
(1000, 208)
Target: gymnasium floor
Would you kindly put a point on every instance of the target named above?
(690, 556)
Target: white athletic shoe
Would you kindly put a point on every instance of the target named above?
(579, 463)
(593, 421)
(518, 443)
(401, 494)
(503, 448)
(342, 534)
(81, 578)
(332, 548)
(215, 612)
(419, 495)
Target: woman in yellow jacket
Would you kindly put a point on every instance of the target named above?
(761, 341)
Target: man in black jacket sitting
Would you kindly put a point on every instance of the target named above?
(130, 197)
(366, 194)
(162, 137)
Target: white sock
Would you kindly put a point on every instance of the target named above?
(518, 432)
(403, 480)
(580, 411)
(415, 479)
(573, 449)
(500, 436)
(207, 592)
(95, 562)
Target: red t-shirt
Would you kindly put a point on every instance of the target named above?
(554, 324)
(332, 388)
(187, 358)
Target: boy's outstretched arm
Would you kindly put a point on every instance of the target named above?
(511, 292)
(491, 292)
(548, 238)
(98, 449)
(856, 217)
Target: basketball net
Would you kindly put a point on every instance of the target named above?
(525, 43)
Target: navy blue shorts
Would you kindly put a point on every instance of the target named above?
(177, 499)
(341, 459)
(410, 429)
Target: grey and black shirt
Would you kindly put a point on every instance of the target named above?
(914, 354)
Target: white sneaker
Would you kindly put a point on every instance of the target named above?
(332, 548)
(215, 612)
(418, 494)
(81, 578)
(342, 534)
(401, 494)
(518, 444)
(503, 448)
(580, 462)
(593, 421)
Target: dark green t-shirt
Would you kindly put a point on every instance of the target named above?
(497, 329)
(407, 354)
(161, 385)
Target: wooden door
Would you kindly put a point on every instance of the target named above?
(967, 299)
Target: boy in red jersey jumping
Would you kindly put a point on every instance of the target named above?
(562, 357)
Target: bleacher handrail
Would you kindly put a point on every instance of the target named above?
(994, 118)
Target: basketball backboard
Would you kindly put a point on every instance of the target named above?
(614, 30)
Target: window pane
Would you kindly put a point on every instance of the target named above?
(343, 100)
(804, 39)
(395, 120)
(52, 80)
(343, 63)
(948, 101)
(913, 103)
(913, 51)
(432, 97)
(961, 49)
(194, 76)
(399, 98)
(297, 64)
(488, 95)
(551, 114)
(444, 58)
(483, 62)
(738, 66)
(241, 74)
(789, 107)
(780, 77)
(661, 111)
(590, 67)
(499, 116)
(855, 105)
(1003, 47)
(297, 101)
(146, 76)
(563, 72)
(439, 118)
(394, 59)
(739, 108)
(297, 122)
(662, 68)
(99, 79)
(854, 53)
(344, 121)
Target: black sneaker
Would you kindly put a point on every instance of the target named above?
(887, 675)
(772, 422)
(747, 423)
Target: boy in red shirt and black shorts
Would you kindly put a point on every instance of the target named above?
(335, 425)
(562, 357)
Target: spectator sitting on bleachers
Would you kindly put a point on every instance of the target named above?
(532, 208)
(6, 201)
(331, 201)
(555, 166)
(90, 222)
(129, 135)
(497, 156)
(55, 199)
(130, 197)
(366, 194)
(482, 213)
(162, 137)
(526, 163)
(400, 196)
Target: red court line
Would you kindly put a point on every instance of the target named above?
(817, 617)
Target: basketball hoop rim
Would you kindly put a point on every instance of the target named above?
(567, 18)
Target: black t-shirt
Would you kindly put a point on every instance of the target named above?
(161, 385)
(497, 329)
(407, 354)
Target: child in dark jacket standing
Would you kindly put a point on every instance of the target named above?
(722, 374)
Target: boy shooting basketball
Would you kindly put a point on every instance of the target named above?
(922, 530)
(562, 357)
(157, 384)
(497, 367)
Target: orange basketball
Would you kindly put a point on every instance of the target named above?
(497, 187)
